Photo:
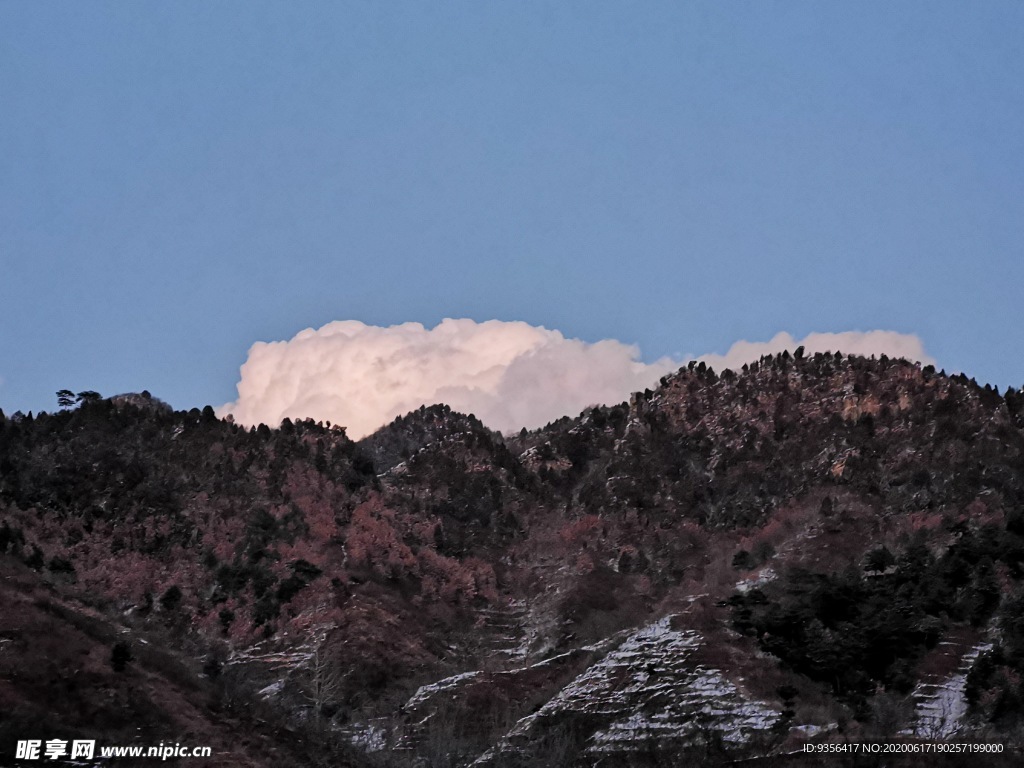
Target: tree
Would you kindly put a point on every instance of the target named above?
(171, 599)
(788, 695)
(120, 655)
(878, 560)
(743, 561)
(88, 396)
(65, 398)
(323, 679)
(35, 559)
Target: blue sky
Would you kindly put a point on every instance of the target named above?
(180, 180)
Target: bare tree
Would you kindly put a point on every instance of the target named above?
(441, 742)
(324, 679)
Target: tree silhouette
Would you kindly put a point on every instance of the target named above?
(120, 655)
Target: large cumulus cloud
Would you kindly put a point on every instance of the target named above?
(510, 374)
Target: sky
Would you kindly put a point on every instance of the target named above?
(180, 181)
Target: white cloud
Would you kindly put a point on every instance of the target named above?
(510, 374)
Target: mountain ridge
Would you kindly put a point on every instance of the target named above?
(436, 548)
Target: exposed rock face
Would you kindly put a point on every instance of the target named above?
(141, 400)
(646, 696)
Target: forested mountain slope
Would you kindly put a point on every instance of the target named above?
(726, 566)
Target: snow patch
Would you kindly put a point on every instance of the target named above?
(648, 691)
(425, 692)
(764, 577)
(272, 690)
(942, 706)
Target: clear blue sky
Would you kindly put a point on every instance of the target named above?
(179, 180)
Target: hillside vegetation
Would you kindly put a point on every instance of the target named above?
(726, 566)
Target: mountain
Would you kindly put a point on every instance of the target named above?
(810, 551)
